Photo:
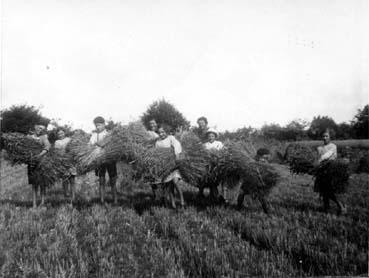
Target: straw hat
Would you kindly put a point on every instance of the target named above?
(212, 130)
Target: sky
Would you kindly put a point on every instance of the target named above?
(238, 63)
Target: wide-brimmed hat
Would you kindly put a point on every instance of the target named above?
(212, 130)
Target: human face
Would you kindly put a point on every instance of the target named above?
(202, 124)
(326, 138)
(162, 133)
(100, 127)
(38, 129)
(211, 137)
(153, 125)
(61, 134)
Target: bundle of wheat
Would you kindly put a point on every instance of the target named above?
(20, 148)
(44, 171)
(125, 143)
(259, 179)
(301, 158)
(154, 164)
(122, 143)
(331, 177)
(194, 163)
(84, 155)
(52, 167)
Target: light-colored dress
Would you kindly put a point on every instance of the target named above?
(327, 152)
(216, 145)
(170, 142)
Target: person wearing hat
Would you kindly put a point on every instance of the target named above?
(97, 139)
(40, 136)
(212, 143)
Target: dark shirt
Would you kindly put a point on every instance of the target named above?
(201, 133)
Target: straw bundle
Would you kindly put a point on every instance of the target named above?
(227, 166)
(122, 143)
(154, 164)
(84, 155)
(20, 148)
(301, 158)
(44, 171)
(194, 164)
(50, 168)
(257, 178)
(125, 143)
(331, 177)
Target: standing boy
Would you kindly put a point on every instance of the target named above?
(97, 139)
(40, 136)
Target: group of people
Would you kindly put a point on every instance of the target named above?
(159, 134)
(162, 138)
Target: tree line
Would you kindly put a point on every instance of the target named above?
(22, 118)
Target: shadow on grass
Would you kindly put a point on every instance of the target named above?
(140, 201)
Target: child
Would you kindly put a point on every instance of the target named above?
(60, 145)
(97, 139)
(169, 141)
(39, 135)
(213, 144)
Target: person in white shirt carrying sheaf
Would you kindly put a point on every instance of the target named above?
(325, 183)
(97, 139)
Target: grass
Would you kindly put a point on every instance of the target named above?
(140, 238)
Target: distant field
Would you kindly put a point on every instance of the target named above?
(142, 239)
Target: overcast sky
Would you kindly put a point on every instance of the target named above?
(239, 63)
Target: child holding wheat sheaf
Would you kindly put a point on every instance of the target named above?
(40, 136)
(97, 139)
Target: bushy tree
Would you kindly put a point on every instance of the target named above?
(164, 113)
(344, 131)
(21, 118)
(360, 124)
(320, 124)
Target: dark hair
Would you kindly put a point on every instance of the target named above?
(202, 119)
(99, 120)
(167, 128)
(61, 129)
(262, 151)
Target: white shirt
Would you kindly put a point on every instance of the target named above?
(62, 143)
(97, 137)
(216, 145)
(327, 152)
(169, 142)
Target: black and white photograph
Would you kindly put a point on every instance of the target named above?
(183, 138)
